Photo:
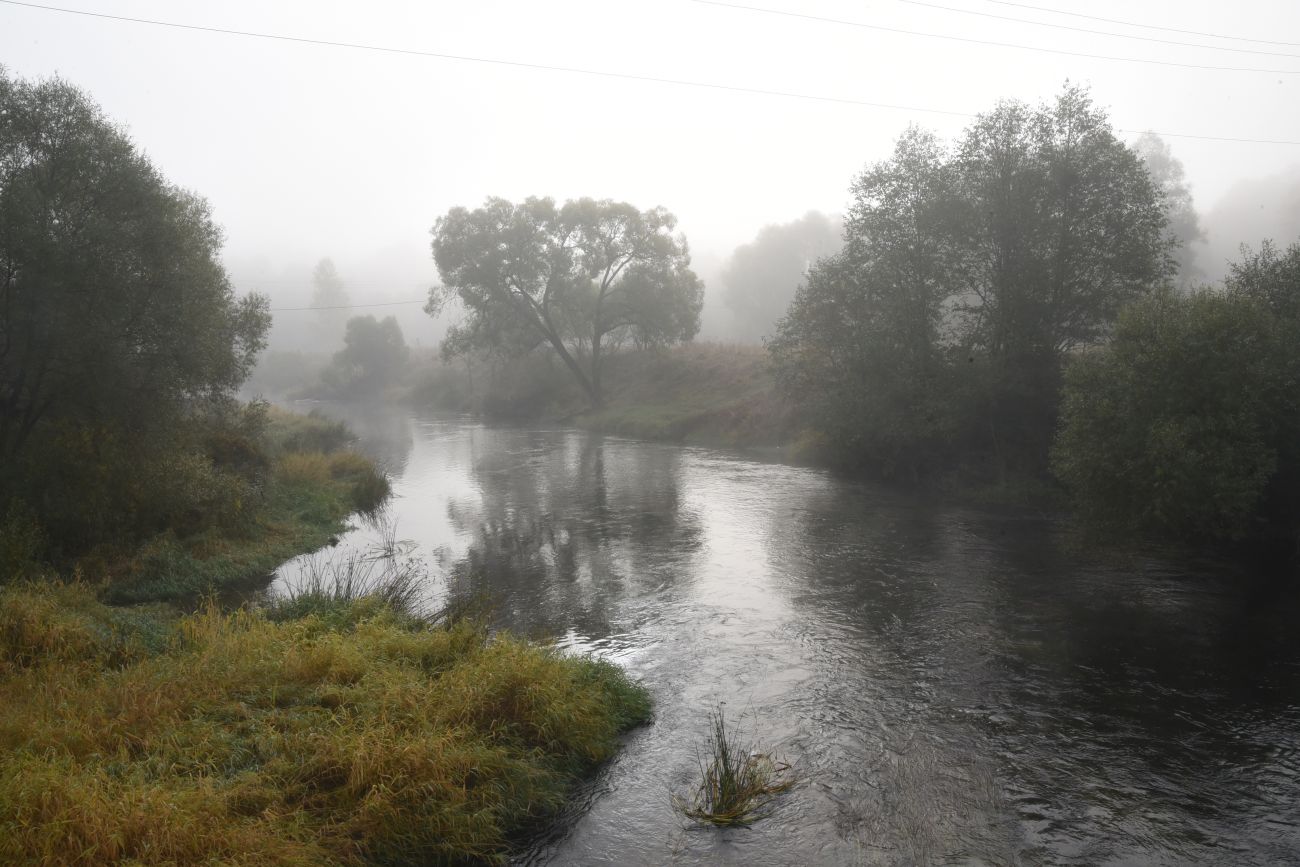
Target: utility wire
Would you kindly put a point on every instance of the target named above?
(678, 82)
(1110, 33)
(973, 41)
(1144, 26)
(519, 64)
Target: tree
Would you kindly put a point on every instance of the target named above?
(372, 356)
(331, 300)
(761, 276)
(1167, 174)
(116, 316)
(967, 278)
(1065, 228)
(861, 345)
(574, 278)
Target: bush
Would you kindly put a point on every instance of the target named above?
(1178, 426)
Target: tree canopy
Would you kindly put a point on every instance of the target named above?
(1187, 424)
(760, 278)
(373, 355)
(1168, 175)
(968, 274)
(575, 278)
(116, 315)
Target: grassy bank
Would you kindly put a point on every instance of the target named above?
(369, 738)
(710, 393)
(333, 726)
(719, 394)
(309, 485)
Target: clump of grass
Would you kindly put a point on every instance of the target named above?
(246, 740)
(737, 781)
(330, 587)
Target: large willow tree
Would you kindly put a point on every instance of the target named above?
(572, 277)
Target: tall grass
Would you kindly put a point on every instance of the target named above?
(329, 585)
(737, 781)
(376, 739)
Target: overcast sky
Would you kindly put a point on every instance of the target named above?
(309, 150)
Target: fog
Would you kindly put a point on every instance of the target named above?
(308, 151)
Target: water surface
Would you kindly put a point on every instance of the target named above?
(952, 685)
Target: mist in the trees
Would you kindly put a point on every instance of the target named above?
(760, 278)
(1168, 175)
(1252, 211)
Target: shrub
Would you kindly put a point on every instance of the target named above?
(1175, 427)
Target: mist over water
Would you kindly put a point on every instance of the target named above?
(950, 683)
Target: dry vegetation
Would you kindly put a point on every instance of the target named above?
(226, 737)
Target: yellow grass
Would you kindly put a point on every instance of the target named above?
(247, 741)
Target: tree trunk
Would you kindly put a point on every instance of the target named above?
(575, 368)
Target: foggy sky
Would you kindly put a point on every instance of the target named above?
(308, 151)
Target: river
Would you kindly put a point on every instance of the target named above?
(951, 685)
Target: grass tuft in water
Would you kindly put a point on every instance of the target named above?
(738, 782)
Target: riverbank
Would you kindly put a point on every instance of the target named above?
(340, 727)
(366, 736)
(699, 393)
(703, 393)
(708, 394)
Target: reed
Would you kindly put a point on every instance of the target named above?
(737, 781)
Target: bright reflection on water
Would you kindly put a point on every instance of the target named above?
(953, 686)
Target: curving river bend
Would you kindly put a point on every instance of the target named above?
(953, 685)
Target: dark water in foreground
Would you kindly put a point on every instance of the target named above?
(953, 686)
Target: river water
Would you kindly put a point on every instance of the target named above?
(950, 685)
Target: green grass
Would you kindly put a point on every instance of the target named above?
(307, 500)
(698, 392)
(230, 738)
(340, 724)
(737, 782)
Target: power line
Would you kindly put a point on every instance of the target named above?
(519, 64)
(1144, 26)
(1110, 33)
(350, 306)
(677, 82)
(973, 41)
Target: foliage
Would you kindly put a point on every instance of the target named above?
(294, 432)
(760, 277)
(373, 356)
(237, 739)
(1170, 429)
(1168, 176)
(308, 499)
(22, 542)
(117, 324)
(936, 338)
(575, 278)
(1187, 424)
(330, 298)
(737, 782)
